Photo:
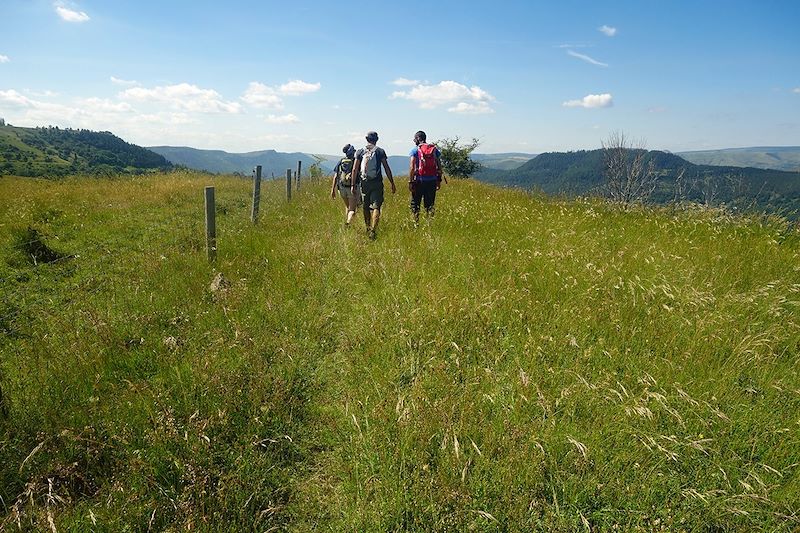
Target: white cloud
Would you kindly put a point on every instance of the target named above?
(12, 97)
(479, 108)
(796, 90)
(70, 15)
(103, 105)
(94, 113)
(260, 95)
(183, 96)
(282, 119)
(608, 31)
(264, 96)
(101, 114)
(404, 82)
(298, 87)
(4, 59)
(119, 81)
(586, 58)
(447, 92)
(591, 101)
(165, 119)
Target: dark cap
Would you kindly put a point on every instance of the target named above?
(347, 148)
(372, 136)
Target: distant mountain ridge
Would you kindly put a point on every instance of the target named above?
(221, 162)
(503, 161)
(767, 157)
(274, 162)
(581, 173)
(53, 151)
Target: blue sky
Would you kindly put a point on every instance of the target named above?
(312, 76)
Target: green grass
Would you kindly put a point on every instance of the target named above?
(516, 364)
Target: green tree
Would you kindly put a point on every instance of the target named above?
(456, 160)
(315, 170)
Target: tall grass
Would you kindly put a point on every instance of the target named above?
(516, 364)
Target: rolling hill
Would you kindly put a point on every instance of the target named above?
(768, 157)
(54, 151)
(503, 161)
(221, 162)
(581, 173)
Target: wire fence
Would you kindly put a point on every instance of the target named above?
(188, 219)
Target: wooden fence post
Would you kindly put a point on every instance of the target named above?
(256, 194)
(288, 184)
(299, 168)
(3, 408)
(211, 225)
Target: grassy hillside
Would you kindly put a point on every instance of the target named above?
(52, 152)
(773, 157)
(517, 364)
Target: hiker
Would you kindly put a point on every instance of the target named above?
(343, 180)
(424, 175)
(367, 173)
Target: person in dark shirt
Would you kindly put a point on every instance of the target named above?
(343, 181)
(370, 160)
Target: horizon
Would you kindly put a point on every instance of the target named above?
(478, 152)
(522, 78)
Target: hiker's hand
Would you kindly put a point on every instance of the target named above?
(438, 185)
(394, 189)
(333, 194)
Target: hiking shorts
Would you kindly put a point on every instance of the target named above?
(346, 193)
(372, 193)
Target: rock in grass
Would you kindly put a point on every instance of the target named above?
(219, 284)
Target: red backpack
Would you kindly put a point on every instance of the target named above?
(426, 160)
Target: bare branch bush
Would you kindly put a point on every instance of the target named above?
(630, 176)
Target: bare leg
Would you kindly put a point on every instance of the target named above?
(352, 205)
(376, 217)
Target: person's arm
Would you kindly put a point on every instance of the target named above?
(389, 173)
(336, 171)
(439, 171)
(354, 173)
(412, 173)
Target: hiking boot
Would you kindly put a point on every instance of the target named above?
(372, 234)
